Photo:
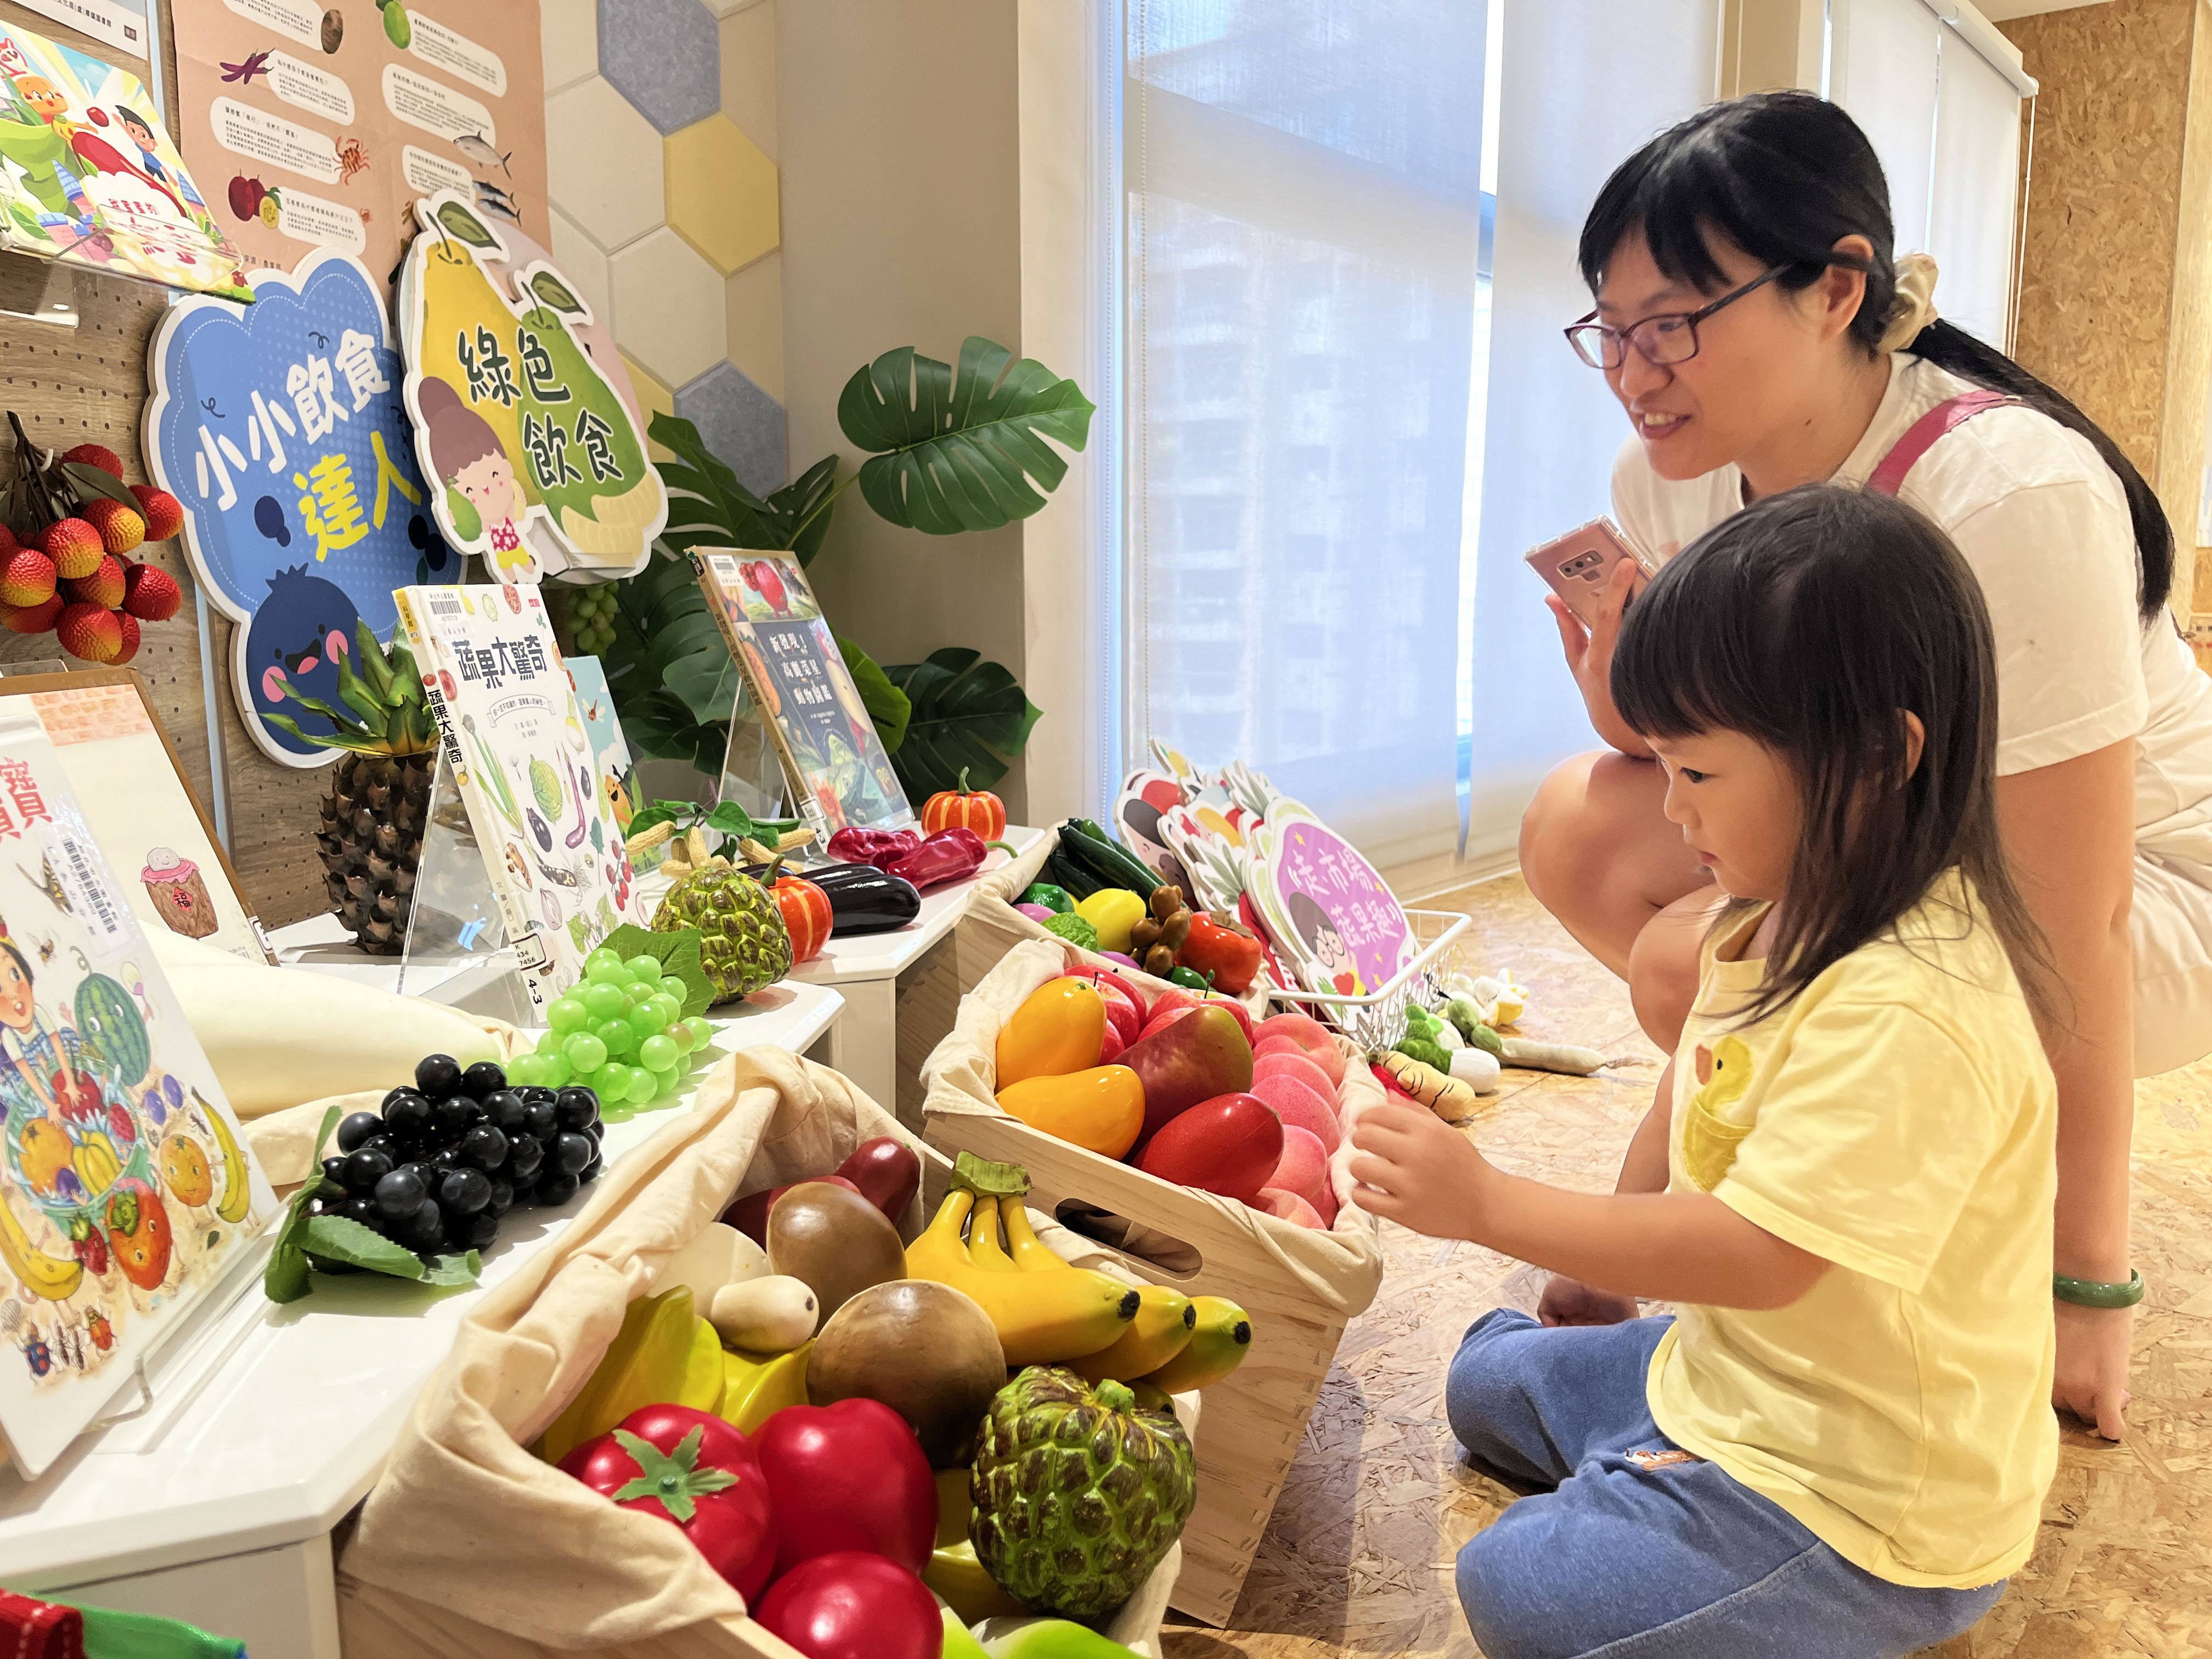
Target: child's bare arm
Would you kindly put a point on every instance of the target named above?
(1644, 1167)
(1672, 1247)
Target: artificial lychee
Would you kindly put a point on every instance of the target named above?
(149, 594)
(27, 577)
(74, 547)
(97, 455)
(104, 587)
(31, 618)
(129, 626)
(90, 631)
(163, 512)
(121, 527)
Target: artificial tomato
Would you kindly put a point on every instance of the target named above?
(850, 1476)
(964, 809)
(1058, 1028)
(806, 914)
(692, 1469)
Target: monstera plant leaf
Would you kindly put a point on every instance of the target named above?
(888, 707)
(968, 714)
(710, 508)
(953, 450)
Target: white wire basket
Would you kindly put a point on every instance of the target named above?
(1377, 1019)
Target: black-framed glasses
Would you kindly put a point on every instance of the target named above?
(1669, 337)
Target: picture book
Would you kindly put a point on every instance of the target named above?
(617, 769)
(88, 172)
(126, 1192)
(832, 758)
(513, 728)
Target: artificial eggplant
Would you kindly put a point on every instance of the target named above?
(862, 898)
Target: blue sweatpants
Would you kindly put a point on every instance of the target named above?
(1641, 1552)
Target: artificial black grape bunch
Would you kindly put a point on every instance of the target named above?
(453, 1152)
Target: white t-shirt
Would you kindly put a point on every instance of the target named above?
(2044, 524)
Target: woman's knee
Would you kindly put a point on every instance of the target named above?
(1663, 963)
(1564, 831)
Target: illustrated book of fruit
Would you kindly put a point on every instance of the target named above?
(126, 1192)
(88, 172)
(514, 732)
(832, 758)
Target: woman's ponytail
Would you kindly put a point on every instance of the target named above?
(1785, 176)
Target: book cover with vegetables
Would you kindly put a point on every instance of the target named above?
(514, 732)
(126, 1190)
(832, 758)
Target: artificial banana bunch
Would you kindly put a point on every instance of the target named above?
(756, 1386)
(664, 1354)
(1220, 1337)
(1161, 1330)
(1041, 1318)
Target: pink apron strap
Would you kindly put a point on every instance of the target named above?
(1945, 417)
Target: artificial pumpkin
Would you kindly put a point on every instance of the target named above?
(807, 917)
(964, 809)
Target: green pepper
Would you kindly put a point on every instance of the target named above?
(1075, 930)
(1191, 980)
(1427, 1053)
(1054, 899)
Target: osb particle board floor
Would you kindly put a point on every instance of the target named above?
(1358, 1556)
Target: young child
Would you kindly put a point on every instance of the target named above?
(1840, 1444)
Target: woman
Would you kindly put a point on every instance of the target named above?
(1761, 333)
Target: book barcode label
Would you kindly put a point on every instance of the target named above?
(447, 605)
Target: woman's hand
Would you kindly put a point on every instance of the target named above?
(1569, 1301)
(1418, 1170)
(2091, 1380)
(1589, 657)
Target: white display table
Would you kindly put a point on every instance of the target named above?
(216, 1503)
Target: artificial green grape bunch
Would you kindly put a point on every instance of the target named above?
(620, 1033)
(583, 617)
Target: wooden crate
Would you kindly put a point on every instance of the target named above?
(1253, 1419)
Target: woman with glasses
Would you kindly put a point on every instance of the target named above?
(1761, 332)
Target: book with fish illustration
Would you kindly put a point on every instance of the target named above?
(127, 1194)
(514, 738)
(88, 172)
(833, 761)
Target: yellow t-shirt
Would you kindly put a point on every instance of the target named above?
(1896, 1120)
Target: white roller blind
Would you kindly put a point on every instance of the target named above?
(1585, 83)
(1303, 191)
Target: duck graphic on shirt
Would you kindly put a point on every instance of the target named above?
(1708, 1139)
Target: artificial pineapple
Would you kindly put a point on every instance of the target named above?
(380, 798)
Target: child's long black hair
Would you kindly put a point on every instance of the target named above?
(1810, 621)
(1785, 176)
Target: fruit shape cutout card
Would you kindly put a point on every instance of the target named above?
(1333, 919)
(832, 758)
(126, 1192)
(87, 172)
(1145, 798)
(284, 431)
(513, 729)
(521, 434)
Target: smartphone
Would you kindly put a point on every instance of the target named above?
(1578, 565)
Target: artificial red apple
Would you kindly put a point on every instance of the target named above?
(1200, 1056)
(1110, 1043)
(1231, 1146)
(1109, 985)
(1179, 996)
(1300, 1108)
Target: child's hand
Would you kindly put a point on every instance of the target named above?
(1418, 1171)
(1569, 1301)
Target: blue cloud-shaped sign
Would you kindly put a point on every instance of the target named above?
(281, 427)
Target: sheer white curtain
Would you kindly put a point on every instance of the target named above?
(1584, 83)
(1303, 189)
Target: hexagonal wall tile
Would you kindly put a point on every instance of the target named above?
(603, 163)
(583, 264)
(570, 30)
(722, 193)
(669, 307)
(665, 56)
(756, 329)
(740, 423)
(749, 74)
(652, 397)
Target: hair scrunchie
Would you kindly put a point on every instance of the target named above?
(1914, 308)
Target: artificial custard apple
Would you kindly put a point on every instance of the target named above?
(742, 943)
(1079, 1492)
(1200, 1056)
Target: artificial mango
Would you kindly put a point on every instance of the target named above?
(1059, 1028)
(1100, 1110)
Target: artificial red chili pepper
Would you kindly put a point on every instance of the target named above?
(880, 847)
(949, 855)
(1223, 950)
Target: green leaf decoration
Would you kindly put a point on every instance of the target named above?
(710, 508)
(287, 1277)
(677, 953)
(340, 1240)
(458, 220)
(888, 707)
(449, 1271)
(953, 450)
(98, 480)
(554, 293)
(673, 1479)
(967, 713)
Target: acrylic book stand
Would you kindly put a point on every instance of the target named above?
(458, 951)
